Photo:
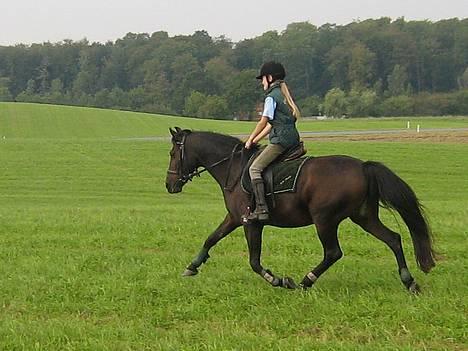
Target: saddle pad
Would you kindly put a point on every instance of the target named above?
(284, 177)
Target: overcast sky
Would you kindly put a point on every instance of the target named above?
(37, 21)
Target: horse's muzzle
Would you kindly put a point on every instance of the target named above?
(173, 188)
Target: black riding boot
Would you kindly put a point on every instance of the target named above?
(261, 208)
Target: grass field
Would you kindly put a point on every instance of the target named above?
(33, 121)
(92, 247)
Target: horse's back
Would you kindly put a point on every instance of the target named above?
(335, 182)
(325, 166)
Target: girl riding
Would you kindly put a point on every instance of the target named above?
(279, 121)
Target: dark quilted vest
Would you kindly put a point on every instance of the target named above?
(284, 130)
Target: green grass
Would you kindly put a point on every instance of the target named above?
(92, 248)
(33, 121)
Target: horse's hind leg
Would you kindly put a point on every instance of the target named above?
(328, 235)
(224, 229)
(371, 223)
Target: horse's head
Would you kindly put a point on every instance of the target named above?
(181, 165)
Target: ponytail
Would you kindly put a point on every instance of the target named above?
(289, 100)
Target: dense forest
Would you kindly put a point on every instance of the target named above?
(378, 67)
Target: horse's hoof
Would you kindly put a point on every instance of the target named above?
(189, 272)
(288, 283)
(414, 288)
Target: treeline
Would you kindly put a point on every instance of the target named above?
(375, 67)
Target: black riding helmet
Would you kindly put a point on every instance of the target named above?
(275, 69)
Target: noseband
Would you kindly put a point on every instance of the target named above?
(184, 178)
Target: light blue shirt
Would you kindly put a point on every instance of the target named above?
(269, 108)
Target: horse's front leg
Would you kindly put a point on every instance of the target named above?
(224, 229)
(253, 235)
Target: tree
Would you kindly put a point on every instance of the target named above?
(251, 53)
(43, 76)
(56, 90)
(5, 94)
(398, 81)
(113, 73)
(461, 98)
(138, 98)
(310, 106)
(338, 59)
(157, 87)
(335, 104)
(102, 98)
(29, 93)
(90, 63)
(119, 99)
(297, 50)
(84, 83)
(157, 73)
(211, 106)
(463, 80)
(218, 73)
(186, 76)
(439, 104)
(204, 48)
(397, 106)
(361, 67)
(214, 107)
(243, 93)
(193, 103)
(361, 103)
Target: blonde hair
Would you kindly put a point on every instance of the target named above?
(289, 100)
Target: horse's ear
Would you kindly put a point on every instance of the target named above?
(178, 129)
(173, 132)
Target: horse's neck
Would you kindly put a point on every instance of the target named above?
(224, 170)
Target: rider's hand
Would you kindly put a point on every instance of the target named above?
(248, 144)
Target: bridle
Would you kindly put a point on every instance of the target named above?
(184, 178)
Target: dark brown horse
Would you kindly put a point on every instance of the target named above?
(329, 189)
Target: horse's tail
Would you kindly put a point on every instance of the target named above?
(395, 194)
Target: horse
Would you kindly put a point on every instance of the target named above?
(329, 190)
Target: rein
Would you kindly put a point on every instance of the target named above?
(184, 178)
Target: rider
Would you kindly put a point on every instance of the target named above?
(279, 121)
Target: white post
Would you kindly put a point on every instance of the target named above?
(407, 125)
(417, 129)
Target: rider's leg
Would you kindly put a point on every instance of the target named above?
(261, 208)
(271, 152)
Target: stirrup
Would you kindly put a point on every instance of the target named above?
(255, 216)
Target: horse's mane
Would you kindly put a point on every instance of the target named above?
(222, 141)
(225, 144)
(218, 138)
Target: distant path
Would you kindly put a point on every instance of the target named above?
(332, 133)
(371, 131)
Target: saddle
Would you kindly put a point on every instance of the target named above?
(292, 153)
(281, 175)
